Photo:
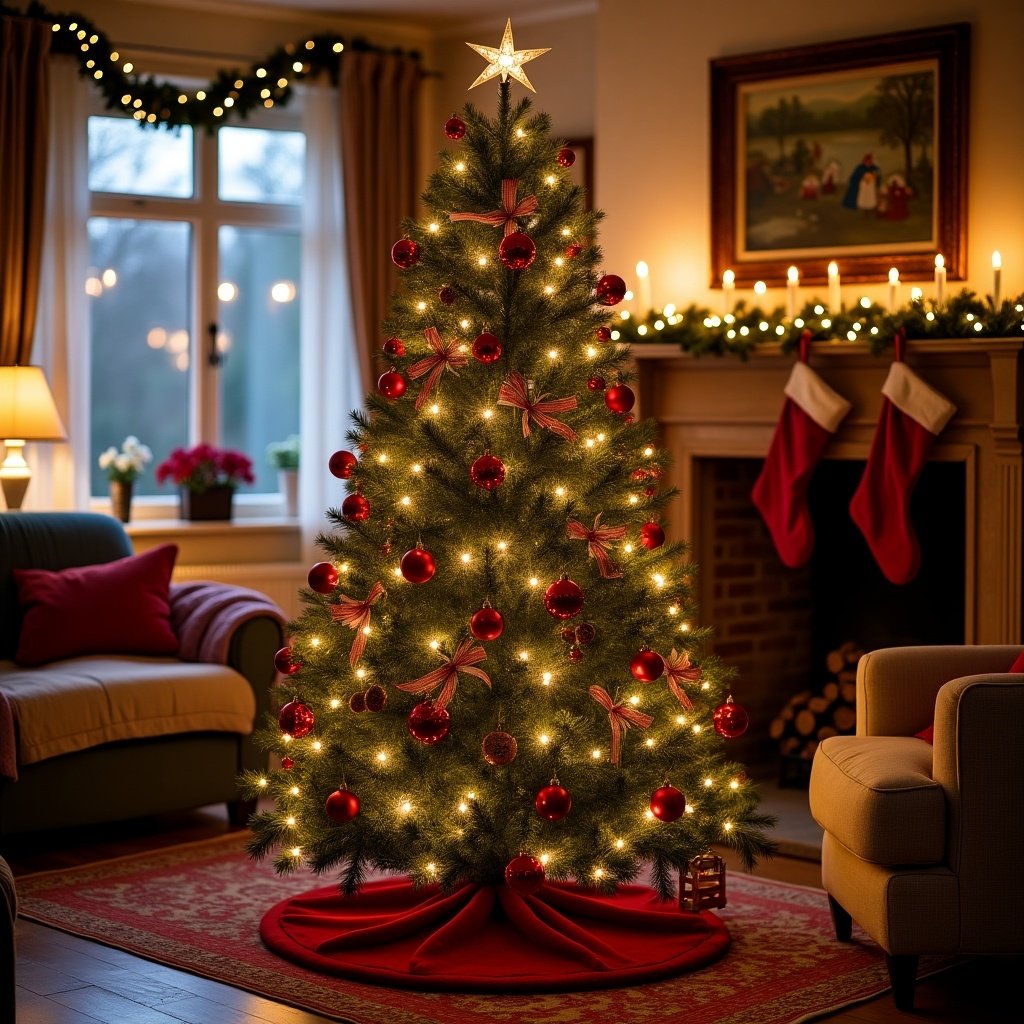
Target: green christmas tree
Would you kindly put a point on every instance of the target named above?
(496, 664)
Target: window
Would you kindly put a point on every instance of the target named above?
(194, 247)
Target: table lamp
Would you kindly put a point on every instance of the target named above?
(27, 413)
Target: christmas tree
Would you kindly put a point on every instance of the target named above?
(494, 678)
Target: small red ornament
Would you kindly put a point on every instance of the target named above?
(517, 251)
(418, 565)
(553, 802)
(376, 698)
(610, 290)
(569, 634)
(573, 250)
(284, 663)
(524, 874)
(499, 748)
(619, 398)
(342, 806)
(427, 723)
(647, 665)
(296, 719)
(447, 294)
(287, 764)
(563, 599)
(487, 623)
(650, 491)
(385, 548)
(405, 253)
(341, 464)
(357, 702)
(566, 157)
(487, 472)
(652, 536)
(575, 653)
(585, 633)
(730, 719)
(638, 474)
(596, 383)
(455, 128)
(667, 803)
(355, 508)
(394, 347)
(323, 577)
(604, 335)
(391, 384)
(486, 348)
(628, 419)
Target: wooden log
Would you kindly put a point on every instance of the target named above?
(777, 728)
(818, 704)
(835, 661)
(827, 730)
(848, 691)
(805, 722)
(845, 718)
(788, 746)
(830, 691)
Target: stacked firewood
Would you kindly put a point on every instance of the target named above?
(810, 717)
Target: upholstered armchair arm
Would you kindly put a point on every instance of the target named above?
(897, 686)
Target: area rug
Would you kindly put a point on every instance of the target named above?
(197, 907)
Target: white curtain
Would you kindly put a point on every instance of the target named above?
(60, 472)
(330, 385)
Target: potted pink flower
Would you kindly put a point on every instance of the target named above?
(206, 478)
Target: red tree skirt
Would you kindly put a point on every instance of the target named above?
(488, 939)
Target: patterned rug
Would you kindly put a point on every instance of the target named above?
(197, 907)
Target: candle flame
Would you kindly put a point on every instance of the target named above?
(793, 275)
(894, 276)
(940, 261)
(997, 260)
(642, 270)
(728, 277)
(833, 269)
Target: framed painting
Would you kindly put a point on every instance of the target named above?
(851, 151)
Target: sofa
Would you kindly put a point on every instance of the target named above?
(92, 736)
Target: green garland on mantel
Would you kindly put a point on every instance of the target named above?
(701, 332)
(231, 95)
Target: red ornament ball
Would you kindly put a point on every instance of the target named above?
(391, 384)
(296, 719)
(730, 719)
(667, 803)
(487, 623)
(341, 464)
(517, 251)
(650, 491)
(647, 665)
(284, 663)
(628, 419)
(418, 565)
(385, 548)
(563, 599)
(610, 290)
(499, 748)
(569, 634)
(455, 128)
(447, 294)
(604, 335)
(487, 472)
(619, 398)
(596, 383)
(553, 802)
(652, 536)
(342, 806)
(524, 874)
(585, 633)
(486, 348)
(427, 723)
(323, 577)
(394, 347)
(357, 702)
(566, 157)
(376, 698)
(575, 653)
(355, 508)
(405, 253)
(287, 764)
(573, 249)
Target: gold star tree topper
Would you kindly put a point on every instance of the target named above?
(506, 60)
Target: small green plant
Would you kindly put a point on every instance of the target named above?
(284, 454)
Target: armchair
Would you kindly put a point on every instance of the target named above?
(923, 845)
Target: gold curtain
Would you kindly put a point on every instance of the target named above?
(379, 110)
(24, 104)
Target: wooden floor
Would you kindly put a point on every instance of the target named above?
(66, 980)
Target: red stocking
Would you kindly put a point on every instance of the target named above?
(913, 415)
(810, 416)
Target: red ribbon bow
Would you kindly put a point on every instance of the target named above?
(597, 539)
(620, 717)
(356, 615)
(447, 676)
(446, 353)
(509, 211)
(513, 392)
(678, 668)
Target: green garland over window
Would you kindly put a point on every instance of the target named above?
(232, 94)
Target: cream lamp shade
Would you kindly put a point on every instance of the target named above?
(27, 413)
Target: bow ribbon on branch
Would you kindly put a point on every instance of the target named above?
(678, 668)
(597, 543)
(446, 353)
(447, 676)
(356, 615)
(510, 209)
(513, 392)
(620, 718)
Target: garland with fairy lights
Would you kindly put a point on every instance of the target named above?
(232, 94)
(700, 332)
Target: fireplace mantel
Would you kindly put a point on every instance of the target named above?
(712, 407)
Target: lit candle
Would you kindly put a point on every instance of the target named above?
(997, 277)
(728, 291)
(894, 283)
(835, 301)
(792, 280)
(760, 288)
(643, 274)
(940, 278)
(916, 295)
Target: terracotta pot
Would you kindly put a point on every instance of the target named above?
(121, 499)
(213, 503)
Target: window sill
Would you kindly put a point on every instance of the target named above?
(240, 541)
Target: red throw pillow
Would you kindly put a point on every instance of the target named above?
(119, 607)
